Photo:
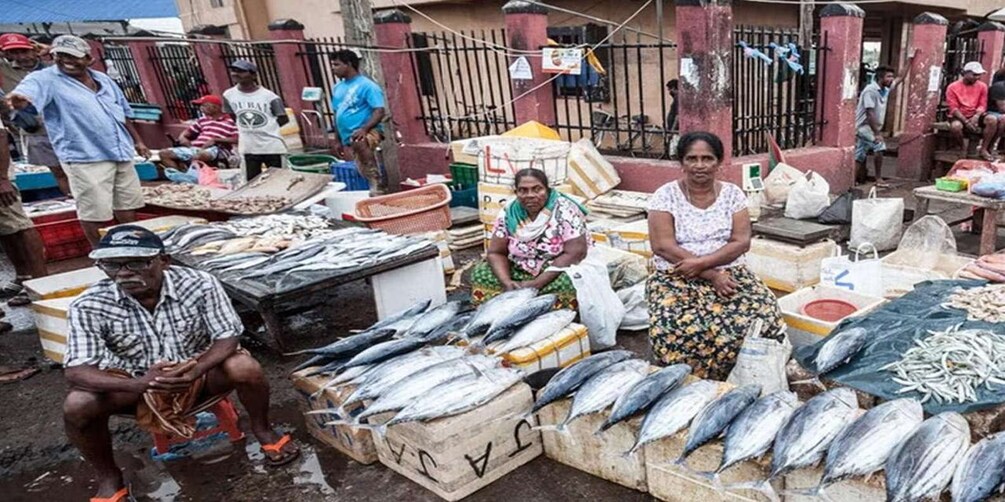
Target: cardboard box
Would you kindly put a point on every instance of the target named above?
(354, 442)
(51, 322)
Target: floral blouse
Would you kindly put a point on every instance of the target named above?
(699, 231)
(567, 223)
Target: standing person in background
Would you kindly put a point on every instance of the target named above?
(89, 124)
(18, 236)
(260, 114)
(967, 99)
(870, 115)
(358, 103)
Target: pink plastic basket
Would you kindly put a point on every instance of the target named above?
(421, 210)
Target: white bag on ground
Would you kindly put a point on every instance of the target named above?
(600, 309)
(779, 182)
(636, 308)
(861, 276)
(762, 361)
(879, 221)
(809, 197)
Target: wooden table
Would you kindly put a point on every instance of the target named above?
(991, 207)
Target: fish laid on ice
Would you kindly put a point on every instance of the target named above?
(922, 466)
(715, 417)
(457, 396)
(982, 471)
(674, 411)
(498, 306)
(643, 394)
(537, 330)
(602, 389)
(571, 377)
(506, 326)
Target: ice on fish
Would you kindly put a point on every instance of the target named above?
(922, 466)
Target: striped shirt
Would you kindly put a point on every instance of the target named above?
(110, 329)
(207, 128)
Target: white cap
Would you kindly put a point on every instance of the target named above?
(974, 67)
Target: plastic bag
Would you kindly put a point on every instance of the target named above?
(839, 212)
(861, 276)
(207, 175)
(878, 221)
(190, 176)
(762, 361)
(990, 186)
(636, 308)
(924, 243)
(779, 182)
(808, 197)
(600, 309)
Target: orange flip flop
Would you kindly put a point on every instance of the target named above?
(274, 452)
(119, 496)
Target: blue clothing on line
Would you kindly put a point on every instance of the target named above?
(354, 100)
(83, 125)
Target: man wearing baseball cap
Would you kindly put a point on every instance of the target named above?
(155, 341)
(210, 139)
(968, 105)
(89, 123)
(260, 115)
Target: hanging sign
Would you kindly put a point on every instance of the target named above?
(520, 69)
(562, 60)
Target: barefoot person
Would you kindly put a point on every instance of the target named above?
(155, 341)
(967, 99)
(359, 107)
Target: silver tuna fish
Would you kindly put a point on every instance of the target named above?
(837, 350)
(982, 471)
(753, 432)
(716, 417)
(497, 307)
(390, 372)
(505, 326)
(643, 394)
(432, 319)
(602, 389)
(412, 311)
(674, 411)
(922, 466)
(537, 330)
(571, 377)
(456, 396)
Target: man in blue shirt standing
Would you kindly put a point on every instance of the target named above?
(358, 103)
(88, 121)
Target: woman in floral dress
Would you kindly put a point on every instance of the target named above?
(702, 297)
(538, 229)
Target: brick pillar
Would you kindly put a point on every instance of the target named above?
(210, 56)
(97, 50)
(917, 141)
(527, 29)
(705, 49)
(841, 24)
(292, 75)
(393, 28)
(991, 37)
(140, 50)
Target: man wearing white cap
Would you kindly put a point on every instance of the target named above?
(968, 105)
(88, 120)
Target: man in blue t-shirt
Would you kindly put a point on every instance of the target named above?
(358, 103)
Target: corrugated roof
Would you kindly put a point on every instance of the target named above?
(61, 11)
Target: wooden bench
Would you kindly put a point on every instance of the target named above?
(945, 152)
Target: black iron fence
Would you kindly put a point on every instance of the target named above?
(961, 48)
(121, 67)
(775, 88)
(180, 77)
(316, 56)
(463, 83)
(263, 55)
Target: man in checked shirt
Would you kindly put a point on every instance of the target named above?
(156, 341)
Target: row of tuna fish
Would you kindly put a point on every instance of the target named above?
(921, 457)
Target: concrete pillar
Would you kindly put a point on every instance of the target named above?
(991, 37)
(705, 53)
(292, 74)
(210, 56)
(97, 50)
(140, 49)
(841, 26)
(923, 88)
(393, 29)
(527, 29)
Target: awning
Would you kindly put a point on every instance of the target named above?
(62, 11)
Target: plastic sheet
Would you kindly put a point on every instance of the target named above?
(895, 326)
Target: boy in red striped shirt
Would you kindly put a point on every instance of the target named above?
(210, 139)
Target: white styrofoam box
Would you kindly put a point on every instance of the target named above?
(340, 203)
(567, 346)
(492, 198)
(465, 151)
(632, 237)
(903, 269)
(590, 174)
(63, 285)
(499, 159)
(442, 240)
(354, 442)
(805, 330)
(50, 320)
(787, 267)
(398, 289)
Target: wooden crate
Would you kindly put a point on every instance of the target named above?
(851, 490)
(601, 455)
(454, 457)
(354, 442)
(672, 482)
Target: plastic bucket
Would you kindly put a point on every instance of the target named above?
(345, 202)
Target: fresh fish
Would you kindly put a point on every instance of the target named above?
(392, 371)
(922, 466)
(315, 361)
(229, 260)
(715, 417)
(839, 349)
(433, 319)
(331, 367)
(864, 446)
(506, 326)
(404, 392)
(497, 307)
(384, 350)
(244, 264)
(674, 411)
(456, 396)
(412, 311)
(643, 394)
(347, 377)
(982, 471)
(571, 377)
(537, 330)
(602, 389)
(350, 345)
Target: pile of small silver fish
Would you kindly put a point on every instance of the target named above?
(195, 197)
(985, 303)
(294, 227)
(951, 365)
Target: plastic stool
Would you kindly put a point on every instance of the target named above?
(226, 418)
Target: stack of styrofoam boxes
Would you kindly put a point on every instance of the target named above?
(51, 297)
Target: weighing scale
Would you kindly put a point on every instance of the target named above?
(753, 186)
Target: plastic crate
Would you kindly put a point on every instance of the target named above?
(464, 174)
(421, 210)
(34, 181)
(147, 171)
(311, 163)
(346, 172)
(63, 239)
(67, 251)
(467, 197)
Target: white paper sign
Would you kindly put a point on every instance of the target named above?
(689, 72)
(849, 88)
(562, 60)
(934, 78)
(520, 69)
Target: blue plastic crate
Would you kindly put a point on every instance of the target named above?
(467, 197)
(146, 171)
(34, 181)
(346, 172)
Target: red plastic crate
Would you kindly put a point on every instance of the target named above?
(75, 249)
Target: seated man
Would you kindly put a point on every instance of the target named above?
(155, 341)
(967, 99)
(210, 139)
